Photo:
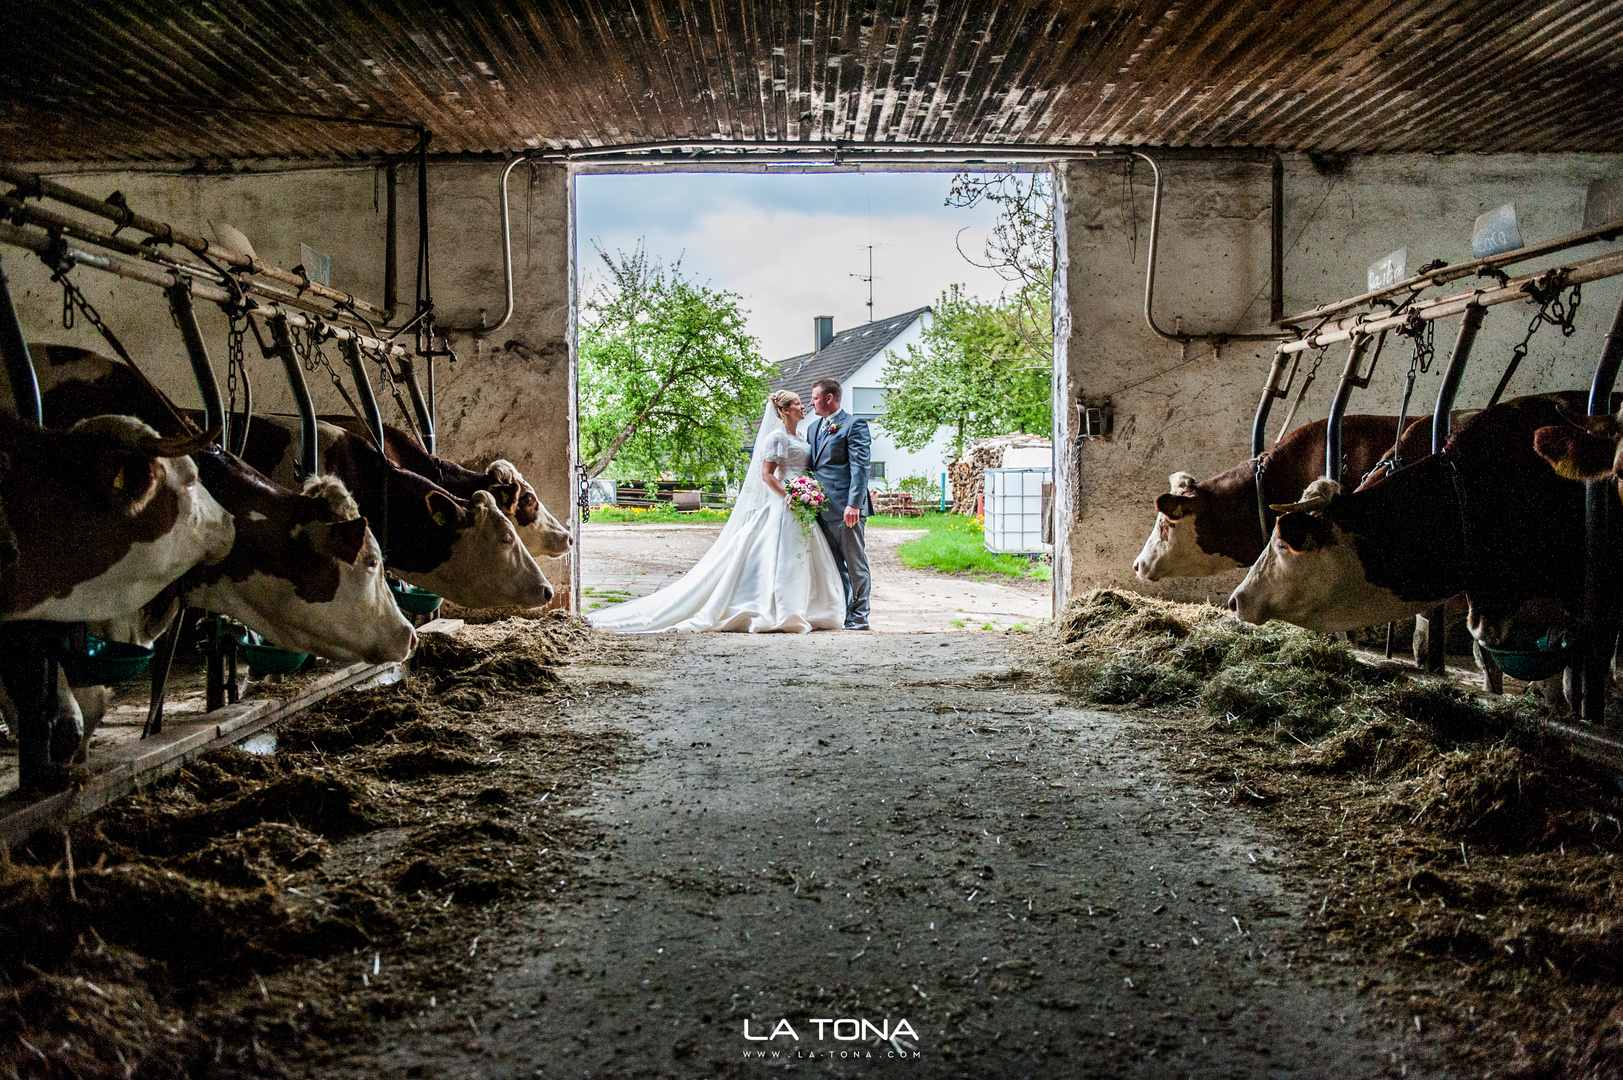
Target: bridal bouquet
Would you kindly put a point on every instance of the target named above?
(806, 498)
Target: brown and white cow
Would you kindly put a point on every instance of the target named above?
(104, 515)
(465, 550)
(1487, 516)
(1211, 526)
(1584, 448)
(541, 533)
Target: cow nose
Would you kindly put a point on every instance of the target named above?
(1234, 605)
(1138, 567)
(546, 594)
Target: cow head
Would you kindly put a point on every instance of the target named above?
(483, 564)
(541, 533)
(305, 573)
(1310, 574)
(1584, 448)
(1171, 550)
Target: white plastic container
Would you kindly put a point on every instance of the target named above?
(1014, 511)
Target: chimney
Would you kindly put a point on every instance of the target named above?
(822, 332)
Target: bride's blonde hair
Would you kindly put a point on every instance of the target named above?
(782, 399)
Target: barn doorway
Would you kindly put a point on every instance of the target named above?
(795, 274)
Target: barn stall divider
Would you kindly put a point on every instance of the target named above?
(1399, 308)
(250, 291)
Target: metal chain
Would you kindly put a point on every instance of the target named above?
(583, 500)
(1552, 311)
(1420, 331)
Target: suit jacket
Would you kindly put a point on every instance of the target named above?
(840, 461)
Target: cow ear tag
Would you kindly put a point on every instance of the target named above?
(118, 479)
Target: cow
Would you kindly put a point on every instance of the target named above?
(465, 550)
(1211, 526)
(104, 515)
(541, 533)
(1486, 516)
(1587, 448)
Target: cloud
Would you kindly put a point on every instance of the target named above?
(788, 245)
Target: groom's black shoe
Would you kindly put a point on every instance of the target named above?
(864, 626)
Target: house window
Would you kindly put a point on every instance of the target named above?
(876, 470)
(868, 400)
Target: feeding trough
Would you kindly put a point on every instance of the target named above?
(1548, 657)
(105, 662)
(412, 600)
(271, 659)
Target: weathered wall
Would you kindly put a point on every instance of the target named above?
(1190, 409)
(506, 397)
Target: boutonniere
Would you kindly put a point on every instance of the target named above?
(831, 427)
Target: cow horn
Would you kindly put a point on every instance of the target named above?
(177, 445)
(1318, 502)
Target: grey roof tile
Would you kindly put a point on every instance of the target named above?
(841, 357)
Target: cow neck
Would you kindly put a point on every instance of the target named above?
(1265, 513)
(1409, 531)
(1225, 523)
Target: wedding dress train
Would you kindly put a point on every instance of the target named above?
(767, 572)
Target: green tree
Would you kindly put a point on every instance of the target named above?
(1020, 248)
(668, 373)
(974, 373)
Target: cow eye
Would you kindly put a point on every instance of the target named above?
(508, 539)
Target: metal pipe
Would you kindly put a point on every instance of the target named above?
(1578, 273)
(309, 445)
(1338, 406)
(425, 416)
(1149, 279)
(1446, 274)
(41, 244)
(14, 353)
(391, 246)
(1600, 616)
(1270, 391)
(507, 263)
(35, 185)
(180, 305)
(363, 390)
(1441, 414)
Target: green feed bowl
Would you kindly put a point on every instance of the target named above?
(272, 659)
(414, 601)
(106, 662)
(1546, 660)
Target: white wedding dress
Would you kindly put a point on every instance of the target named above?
(766, 572)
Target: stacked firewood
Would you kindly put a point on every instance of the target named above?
(968, 474)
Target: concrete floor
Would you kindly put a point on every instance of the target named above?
(622, 561)
(892, 827)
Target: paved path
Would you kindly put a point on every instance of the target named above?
(622, 561)
(893, 827)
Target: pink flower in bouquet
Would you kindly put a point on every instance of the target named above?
(806, 497)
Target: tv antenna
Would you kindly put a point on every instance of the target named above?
(868, 277)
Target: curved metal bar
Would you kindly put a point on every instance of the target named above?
(363, 390)
(1600, 613)
(1338, 406)
(419, 405)
(14, 353)
(309, 445)
(507, 253)
(180, 305)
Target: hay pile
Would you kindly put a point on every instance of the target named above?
(210, 923)
(1465, 862)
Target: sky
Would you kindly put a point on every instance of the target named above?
(788, 244)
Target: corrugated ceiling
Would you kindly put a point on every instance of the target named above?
(182, 80)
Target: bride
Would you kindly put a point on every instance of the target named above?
(767, 571)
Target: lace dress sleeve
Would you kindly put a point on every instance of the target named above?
(777, 448)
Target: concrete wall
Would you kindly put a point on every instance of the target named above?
(1188, 408)
(509, 396)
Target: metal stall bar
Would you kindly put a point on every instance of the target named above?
(1446, 274)
(363, 390)
(1338, 405)
(14, 353)
(419, 404)
(32, 184)
(1600, 610)
(1578, 273)
(180, 305)
(40, 243)
(1436, 636)
(309, 444)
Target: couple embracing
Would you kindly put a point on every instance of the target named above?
(779, 565)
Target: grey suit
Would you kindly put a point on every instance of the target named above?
(840, 463)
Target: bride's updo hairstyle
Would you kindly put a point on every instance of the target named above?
(782, 399)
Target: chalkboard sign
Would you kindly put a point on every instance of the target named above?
(317, 266)
(1389, 270)
(1604, 203)
(1496, 232)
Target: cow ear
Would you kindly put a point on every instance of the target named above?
(345, 540)
(128, 480)
(1304, 532)
(443, 509)
(507, 496)
(1576, 453)
(1176, 506)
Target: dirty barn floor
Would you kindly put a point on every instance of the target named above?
(890, 827)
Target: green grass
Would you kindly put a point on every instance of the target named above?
(663, 514)
(955, 544)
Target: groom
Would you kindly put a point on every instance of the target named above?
(839, 458)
